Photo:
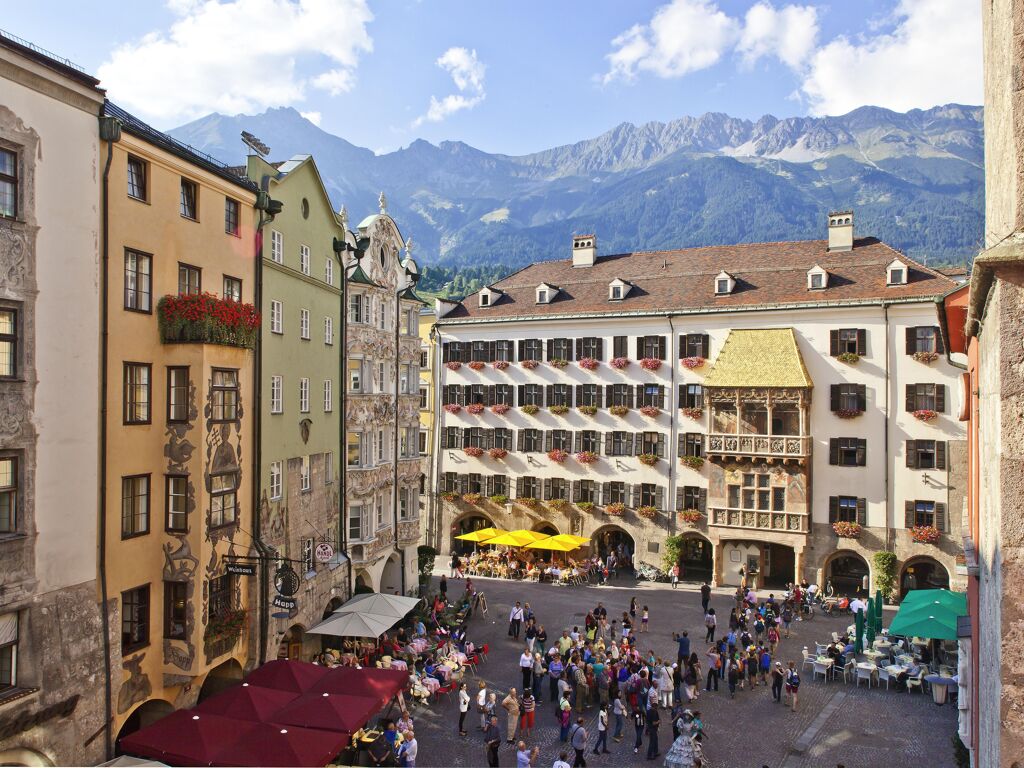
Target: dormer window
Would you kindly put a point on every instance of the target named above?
(617, 289)
(545, 293)
(542, 296)
(488, 296)
(485, 299)
(724, 284)
(817, 279)
(896, 273)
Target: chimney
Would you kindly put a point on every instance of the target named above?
(584, 250)
(840, 231)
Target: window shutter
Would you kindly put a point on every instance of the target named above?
(862, 453)
(489, 485)
(862, 397)
(912, 454)
(661, 347)
(834, 395)
(620, 346)
(833, 344)
(549, 390)
(636, 495)
(491, 394)
(940, 516)
(911, 391)
(548, 436)
(911, 340)
(661, 445)
(661, 396)
(682, 396)
(568, 395)
(606, 493)
(577, 438)
(519, 487)
(682, 346)
(629, 396)
(522, 394)
(466, 393)
(681, 444)
(446, 351)
(940, 454)
(598, 393)
(579, 348)
(609, 391)
(522, 349)
(467, 351)
(551, 348)
(492, 347)
(940, 398)
(862, 511)
(705, 346)
(489, 439)
(833, 451)
(600, 349)
(862, 341)
(547, 488)
(638, 443)
(579, 394)
(679, 498)
(465, 437)
(908, 514)
(940, 345)
(608, 443)
(833, 509)
(702, 500)
(461, 484)
(659, 497)
(639, 347)
(575, 491)
(444, 438)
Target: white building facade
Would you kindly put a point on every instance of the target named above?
(746, 398)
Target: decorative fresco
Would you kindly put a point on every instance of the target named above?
(137, 687)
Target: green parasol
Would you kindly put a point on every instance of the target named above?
(932, 616)
(955, 601)
(871, 623)
(858, 643)
(878, 610)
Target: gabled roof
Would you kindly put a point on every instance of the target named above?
(411, 295)
(761, 357)
(360, 277)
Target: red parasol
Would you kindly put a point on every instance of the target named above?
(185, 737)
(329, 711)
(247, 702)
(381, 684)
(272, 744)
(287, 675)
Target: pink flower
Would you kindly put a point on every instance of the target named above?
(501, 365)
(500, 408)
(650, 363)
(692, 362)
(453, 408)
(619, 362)
(589, 363)
(453, 365)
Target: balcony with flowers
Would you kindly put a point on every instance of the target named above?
(203, 318)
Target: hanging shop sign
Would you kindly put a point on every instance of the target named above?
(286, 580)
(240, 569)
(324, 552)
(289, 603)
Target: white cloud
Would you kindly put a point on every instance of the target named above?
(467, 72)
(238, 56)
(789, 34)
(313, 117)
(933, 56)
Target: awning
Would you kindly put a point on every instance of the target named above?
(185, 737)
(933, 615)
(127, 761)
(519, 538)
(762, 357)
(380, 684)
(563, 542)
(272, 744)
(377, 604)
(353, 625)
(956, 601)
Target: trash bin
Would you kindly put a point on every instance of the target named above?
(940, 691)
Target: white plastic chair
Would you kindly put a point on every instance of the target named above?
(916, 682)
(808, 659)
(821, 669)
(883, 674)
(863, 674)
(849, 670)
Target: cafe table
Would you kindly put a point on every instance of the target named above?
(875, 655)
(940, 687)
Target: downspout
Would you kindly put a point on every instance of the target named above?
(340, 246)
(673, 433)
(110, 130)
(435, 438)
(888, 499)
(435, 409)
(394, 444)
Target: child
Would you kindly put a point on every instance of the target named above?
(644, 618)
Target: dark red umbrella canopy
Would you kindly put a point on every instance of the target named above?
(287, 675)
(329, 711)
(185, 737)
(381, 684)
(273, 744)
(247, 702)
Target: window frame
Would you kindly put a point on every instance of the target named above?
(223, 493)
(144, 167)
(187, 271)
(276, 317)
(303, 324)
(328, 395)
(276, 472)
(139, 616)
(11, 648)
(172, 618)
(232, 212)
(228, 284)
(329, 271)
(14, 339)
(129, 390)
(136, 291)
(221, 593)
(328, 331)
(169, 513)
(219, 392)
(13, 489)
(304, 394)
(305, 257)
(276, 394)
(136, 513)
(276, 247)
(184, 202)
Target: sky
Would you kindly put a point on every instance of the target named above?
(511, 76)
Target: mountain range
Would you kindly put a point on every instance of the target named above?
(914, 179)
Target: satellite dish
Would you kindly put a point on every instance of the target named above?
(255, 144)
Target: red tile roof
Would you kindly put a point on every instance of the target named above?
(766, 274)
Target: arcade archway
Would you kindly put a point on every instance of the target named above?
(26, 757)
(614, 539)
(364, 583)
(547, 528)
(147, 713)
(291, 643)
(391, 576)
(696, 558)
(923, 573)
(762, 564)
(472, 521)
(847, 571)
(220, 678)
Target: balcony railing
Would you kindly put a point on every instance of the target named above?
(204, 318)
(777, 446)
(759, 520)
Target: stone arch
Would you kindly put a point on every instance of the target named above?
(22, 756)
(846, 569)
(697, 561)
(147, 713)
(766, 564)
(291, 645)
(543, 526)
(467, 522)
(364, 582)
(611, 536)
(391, 575)
(332, 606)
(922, 572)
(220, 678)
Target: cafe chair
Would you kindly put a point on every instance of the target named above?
(863, 674)
(916, 682)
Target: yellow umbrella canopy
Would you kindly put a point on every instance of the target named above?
(561, 543)
(516, 538)
(482, 535)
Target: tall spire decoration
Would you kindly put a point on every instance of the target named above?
(343, 215)
(382, 201)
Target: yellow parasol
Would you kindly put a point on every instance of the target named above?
(562, 543)
(482, 535)
(518, 538)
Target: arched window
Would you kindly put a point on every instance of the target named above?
(383, 259)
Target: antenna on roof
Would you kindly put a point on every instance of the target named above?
(253, 143)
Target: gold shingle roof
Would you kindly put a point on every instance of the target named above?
(762, 357)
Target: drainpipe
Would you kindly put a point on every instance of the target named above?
(340, 247)
(888, 499)
(435, 438)
(109, 131)
(394, 444)
(673, 433)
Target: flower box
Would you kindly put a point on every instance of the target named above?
(650, 363)
(693, 362)
(528, 501)
(650, 410)
(558, 504)
(453, 408)
(227, 626)
(850, 358)
(449, 496)
(530, 409)
(691, 516)
(587, 457)
(453, 365)
(618, 410)
(207, 319)
(849, 413)
(529, 364)
(618, 363)
(925, 534)
(615, 509)
(587, 410)
(497, 453)
(589, 363)
(501, 365)
(693, 413)
(693, 462)
(847, 530)
(924, 414)
(559, 410)
(499, 498)
(585, 506)
(557, 362)
(473, 450)
(475, 408)
(477, 365)
(650, 459)
(926, 357)
(500, 409)
(557, 454)
(472, 498)
(647, 511)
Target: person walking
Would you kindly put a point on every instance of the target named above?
(792, 684)
(619, 710)
(530, 634)
(778, 677)
(481, 706)
(555, 669)
(714, 667)
(773, 638)
(455, 566)
(653, 721)
(492, 741)
(645, 617)
(538, 675)
(639, 722)
(526, 667)
(734, 677)
(443, 588)
(675, 575)
(578, 739)
(564, 717)
(515, 621)
(705, 596)
(527, 716)
(710, 623)
(463, 708)
(602, 731)
(511, 706)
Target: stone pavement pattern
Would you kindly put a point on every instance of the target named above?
(868, 729)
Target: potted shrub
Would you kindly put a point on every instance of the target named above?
(558, 504)
(618, 363)
(474, 451)
(557, 454)
(693, 462)
(589, 363)
(650, 363)
(204, 317)
(845, 530)
(587, 410)
(557, 362)
(924, 414)
(690, 516)
(616, 508)
(475, 408)
(926, 357)
(471, 498)
(650, 459)
(500, 409)
(227, 626)
(650, 410)
(530, 409)
(453, 408)
(618, 410)
(925, 534)
(529, 364)
(477, 365)
(501, 365)
(497, 453)
(692, 362)
(693, 413)
(499, 498)
(559, 410)
(528, 501)
(587, 457)
(850, 358)
(647, 511)
(453, 365)
(449, 496)
(849, 413)
(585, 506)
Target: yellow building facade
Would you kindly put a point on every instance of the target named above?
(179, 421)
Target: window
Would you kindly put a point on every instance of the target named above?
(232, 288)
(559, 439)
(691, 396)
(848, 397)
(502, 438)
(614, 493)
(328, 467)
(328, 331)
(926, 397)
(423, 399)
(530, 440)
(485, 299)
(542, 296)
(590, 346)
(531, 349)
(694, 345)
(652, 443)
(847, 509)
(847, 452)
(589, 440)
(560, 394)
(276, 394)
(355, 308)
(926, 454)
(584, 491)
(304, 324)
(189, 193)
(276, 317)
(221, 596)
(175, 609)
(650, 346)
(722, 285)
(423, 358)
(136, 177)
(381, 378)
(223, 499)
(138, 281)
(690, 497)
(531, 394)
(651, 395)
(225, 394)
(924, 338)
(275, 480)
(648, 495)
(8, 343)
(848, 341)
(8, 494)
(527, 488)
(355, 375)
(136, 393)
(556, 488)
(190, 282)
(897, 276)
(177, 503)
(354, 448)
(328, 395)
(303, 395)
(358, 525)
(619, 443)
(231, 217)
(404, 379)
(305, 482)
(381, 446)
(134, 619)
(329, 271)
(304, 259)
(8, 184)
(559, 349)
(817, 281)
(8, 651)
(588, 395)
(134, 506)
(423, 442)
(616, 292)
(620, 346)
(922, 513)
(778, 499)
(276, 246)
(619, 394)
(691, 444)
